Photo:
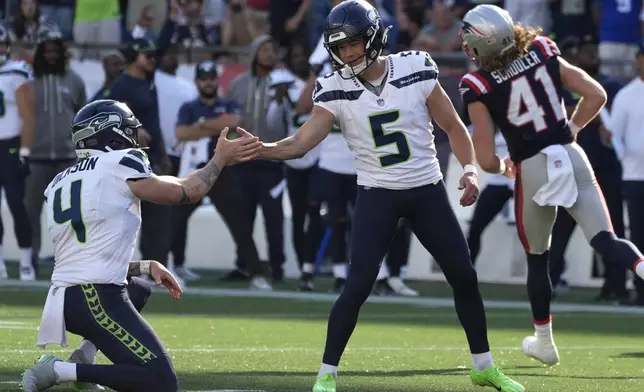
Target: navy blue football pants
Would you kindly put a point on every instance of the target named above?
(108, 316)
(12, 180)
(432, 219)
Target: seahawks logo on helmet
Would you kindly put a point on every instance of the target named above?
(98, 123)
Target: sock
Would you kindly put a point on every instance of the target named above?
(307, 268)
(639, 267)
(89, 350)
(539, 287)
(65, 371)
(543, 329)
(25, 257)
(482, 361)
(327, 369)
(383, 273)
(340, 271)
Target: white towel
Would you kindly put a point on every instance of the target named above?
(194, 154)
(52, 324)
(561, 188)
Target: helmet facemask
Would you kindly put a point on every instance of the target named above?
(374, 39)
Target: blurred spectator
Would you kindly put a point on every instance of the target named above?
(113, 65)
(411, 18)
(16, 137)
(627, 127)
(620, 32)
(595, 140)
(259, 12)
(27, 24)
(302, 173)
(288, 20)
(533, 13)
(143, 27)
(573, 18)
(262, 181)
(137, 89)
(97, 21)
(199, 123)
(157, 8)
(191, 31)
(60, 12)
(214, 14)
(59, 94)
(441, 34)
(239, 28)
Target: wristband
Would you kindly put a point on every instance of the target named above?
(502, 167)
(470, 169)
(144, 267)
(24, 151)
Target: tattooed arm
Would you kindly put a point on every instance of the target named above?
(172, 190)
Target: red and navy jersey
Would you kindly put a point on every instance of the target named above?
(524, 100)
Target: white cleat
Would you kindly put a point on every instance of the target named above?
(543, 351)
(40, 377)
(27, 274)
(78, 357)
(186, 274)
(400, 288)
(260, 283)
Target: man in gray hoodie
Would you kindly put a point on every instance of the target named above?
(59, 94)
(262, 181)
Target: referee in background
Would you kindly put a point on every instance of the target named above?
(135, 86)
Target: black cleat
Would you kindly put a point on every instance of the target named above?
(235, 275)
(306, 282)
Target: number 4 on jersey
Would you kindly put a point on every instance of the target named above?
(73, 214)
(523, 106)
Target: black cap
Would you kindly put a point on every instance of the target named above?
(206, 69)
(588, 39)
(142, 45)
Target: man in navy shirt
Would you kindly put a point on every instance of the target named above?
(595, 141)
(199, 123)
(135, 87)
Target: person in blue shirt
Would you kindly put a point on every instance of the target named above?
(620, 34)
(595, 140)
(199, 123)
(135, 87)
(113, 65)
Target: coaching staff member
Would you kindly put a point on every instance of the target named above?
(136, 88)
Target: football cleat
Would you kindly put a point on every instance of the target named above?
(260, 283)
(542, 350)
(325, 383)
(494, 377)
(40, 377)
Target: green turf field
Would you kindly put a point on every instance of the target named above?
(239, 342)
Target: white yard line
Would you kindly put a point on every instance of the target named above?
(360, 349)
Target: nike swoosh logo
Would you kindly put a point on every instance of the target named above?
(13, 150)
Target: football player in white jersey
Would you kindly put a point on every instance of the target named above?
(94, 216)
(16, 135)
(384, 106)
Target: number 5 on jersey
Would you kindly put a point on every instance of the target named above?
(381, 139)
(73, 213)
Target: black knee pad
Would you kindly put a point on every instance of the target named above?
(138, 290)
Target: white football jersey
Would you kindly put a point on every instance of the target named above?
(295, 121)
(391, 134)
(94, 218)
(13, 74)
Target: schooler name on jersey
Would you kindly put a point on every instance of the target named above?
(518, 66)
(84, 165)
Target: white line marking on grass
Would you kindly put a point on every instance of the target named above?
(367, 348)
(321, 297)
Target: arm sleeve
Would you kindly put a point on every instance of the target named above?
(427, 70)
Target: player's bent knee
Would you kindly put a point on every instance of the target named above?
(138, 290)
(461, 275)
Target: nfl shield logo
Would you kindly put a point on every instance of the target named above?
(558, 164)
(381, 102)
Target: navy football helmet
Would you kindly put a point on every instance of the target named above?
(350, 21)
(104, 125)
(6, 40)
